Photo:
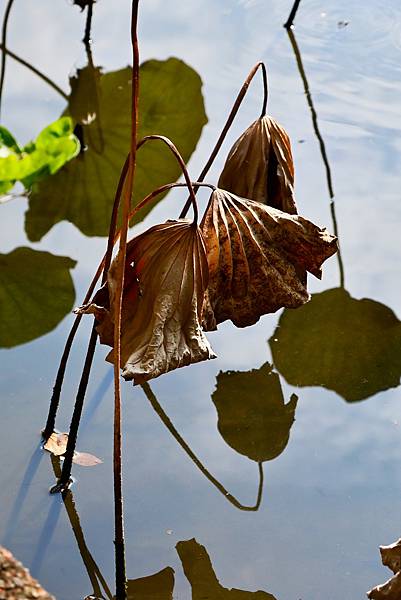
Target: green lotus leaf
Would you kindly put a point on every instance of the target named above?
(170, 104)
(252, 416)
(36, 293)
(350, 346)
(53, 147)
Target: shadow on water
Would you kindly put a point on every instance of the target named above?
(29, 475)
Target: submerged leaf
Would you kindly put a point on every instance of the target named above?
(170, 103)
(165, 280)
(253, 418)
(258, 258)
(315, 345)
(57, 443)
(84, 459)
(199, 571)
(260, 166)
(37, 291)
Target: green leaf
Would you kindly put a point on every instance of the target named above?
(36, 293)
(53, 147)
(350, 346)
(252, 416)
(6, 186)
(7, 141)
(171, 104)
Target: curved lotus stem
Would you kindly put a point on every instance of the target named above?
(229, 122)
(182, 164)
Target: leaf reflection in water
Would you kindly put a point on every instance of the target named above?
(37, 292)
(253, 417)
(199, 571)
(350, 346)
(159, 586)
(171, 103)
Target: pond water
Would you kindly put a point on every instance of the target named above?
(331, 494)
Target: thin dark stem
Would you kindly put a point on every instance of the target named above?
(166, 421)
(34, 70)
(120, 570)
(91, 567)
(265, 90)
(229, 122)
(320, 140)
(105, 264)
(3, 45)
(182, 164)
(65, 477)
(88, 25)
(291, 16)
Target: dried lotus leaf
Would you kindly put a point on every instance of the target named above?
(166, 276)
(258, 258)
(260, 166)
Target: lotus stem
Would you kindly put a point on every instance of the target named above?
(167, 422)
(120, 572)
(88, 25)
(3, 45)
(229, 122)
(182, 164)
(288, 24)
(65, 478)
(34, 70)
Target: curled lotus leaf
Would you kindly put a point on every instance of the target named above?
(260, 166)
(258, 259)
(165, 281)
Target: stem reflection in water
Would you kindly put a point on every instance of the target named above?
(322, 146)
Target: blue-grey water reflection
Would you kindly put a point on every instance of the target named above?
(330, 498)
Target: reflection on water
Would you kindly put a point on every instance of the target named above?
(350, 346)
(253, 417)
(199, 571)
(338, 477)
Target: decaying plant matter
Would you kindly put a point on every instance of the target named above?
(258, 259)
(164, 285)
(260, 166)
(391, 589)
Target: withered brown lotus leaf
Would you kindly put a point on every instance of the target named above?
(258, 258)
(166, 277)
(260, 166)
(391, 589)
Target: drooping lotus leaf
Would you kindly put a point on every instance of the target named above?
(258, 258)
(170, 103)
(252, 416)
(36, 293)
(164, 285)
(260, 166)
(159, 586)
(199, 571)
(350, 346)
